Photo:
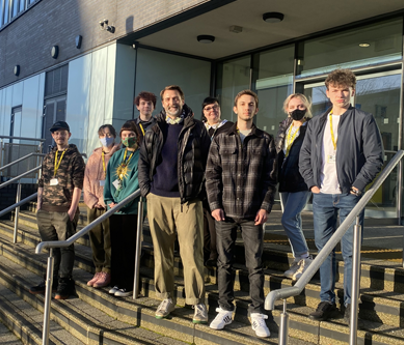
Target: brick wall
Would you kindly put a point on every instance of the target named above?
(28, 40)
(8, 196)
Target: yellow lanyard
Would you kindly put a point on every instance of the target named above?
(130, 157)
(103, 164)
(334, 142)
(57, 164)
(141, 127)
(290, 140)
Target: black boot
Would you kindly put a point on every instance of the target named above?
(66, 288)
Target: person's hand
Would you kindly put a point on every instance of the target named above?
(315, 190)
(111, 205)
(261, 217)
(356, 190)
(71, 214)
(218, 214)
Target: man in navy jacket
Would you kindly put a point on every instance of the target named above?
(341, 154)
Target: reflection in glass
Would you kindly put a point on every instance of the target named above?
(273, 82)
(233, 76)
(342, 50)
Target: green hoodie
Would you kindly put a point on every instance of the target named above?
(130, 182)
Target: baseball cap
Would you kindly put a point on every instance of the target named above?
(60, 125)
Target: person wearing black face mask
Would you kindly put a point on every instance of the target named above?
(293, 190)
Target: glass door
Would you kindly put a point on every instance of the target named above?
(379, 94)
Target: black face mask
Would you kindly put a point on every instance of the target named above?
(297, 114)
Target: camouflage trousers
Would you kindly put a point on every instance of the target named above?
(57, 226)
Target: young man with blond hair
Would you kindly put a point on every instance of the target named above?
(241, 183)
(171, 175)
(341, 154)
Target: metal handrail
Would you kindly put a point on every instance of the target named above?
(22, 202)
(21, 138)
(63, 244)
(14, 179)
(87, 228)
(332, 242)
(32, 154)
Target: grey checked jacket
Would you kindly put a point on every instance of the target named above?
(241, 178)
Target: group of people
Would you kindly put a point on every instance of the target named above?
(205, 180)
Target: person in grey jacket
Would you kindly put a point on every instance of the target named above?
(341, 154)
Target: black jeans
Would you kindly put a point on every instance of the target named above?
(123, 230)
(226, 232)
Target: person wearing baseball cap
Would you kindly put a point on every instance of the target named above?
(59, 190)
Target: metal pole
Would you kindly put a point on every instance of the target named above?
(356, 266)
(17, 211)
(48, 297)
(284, 326)
(1, 153)
(138, 248)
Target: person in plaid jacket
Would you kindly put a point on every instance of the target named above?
(240, 184)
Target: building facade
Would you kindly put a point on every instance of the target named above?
(84, 61)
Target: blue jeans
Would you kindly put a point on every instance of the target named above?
(292, 206)
(325, 213)
(253, 237)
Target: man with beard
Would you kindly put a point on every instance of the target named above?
(171, 174)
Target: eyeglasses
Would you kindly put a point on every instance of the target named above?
(215, 107)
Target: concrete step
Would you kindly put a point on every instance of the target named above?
(300, 325)
(8, 337)
(75, 317)
(378, 304)
(26, 321)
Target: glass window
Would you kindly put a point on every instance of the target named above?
(273, 82)
(5, 13)
(232, 77)
(372, 44)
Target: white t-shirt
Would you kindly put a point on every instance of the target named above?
(328, 176)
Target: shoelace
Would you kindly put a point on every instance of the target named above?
(163, 305)
(259, 320)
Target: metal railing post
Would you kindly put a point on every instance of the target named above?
(138, 249)
(356, 267)
(48, 297)
(284, 326)
(17, 211)
(1, 153)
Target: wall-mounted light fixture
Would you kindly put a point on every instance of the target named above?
(17, 70)
(104, 26)
(78, 40)
(205, 39)
(364, 45)
(55, 52)
(273, 17)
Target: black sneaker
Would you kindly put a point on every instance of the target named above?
(66, 288)
(41, 288)
(323, 312)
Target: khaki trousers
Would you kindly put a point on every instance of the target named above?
(167, 216)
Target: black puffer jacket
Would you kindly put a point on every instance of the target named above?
(193, 144)
(289, 176)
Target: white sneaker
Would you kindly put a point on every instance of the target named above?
(113, 290)
(293, 269)
(165, 308)
(123, 293)
(303, 264)
(223, 318)
(201, 313)
(259, 326)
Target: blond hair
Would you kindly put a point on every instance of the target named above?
(305, 101)
(246, 92)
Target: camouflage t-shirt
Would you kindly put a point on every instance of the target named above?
(70, 174)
